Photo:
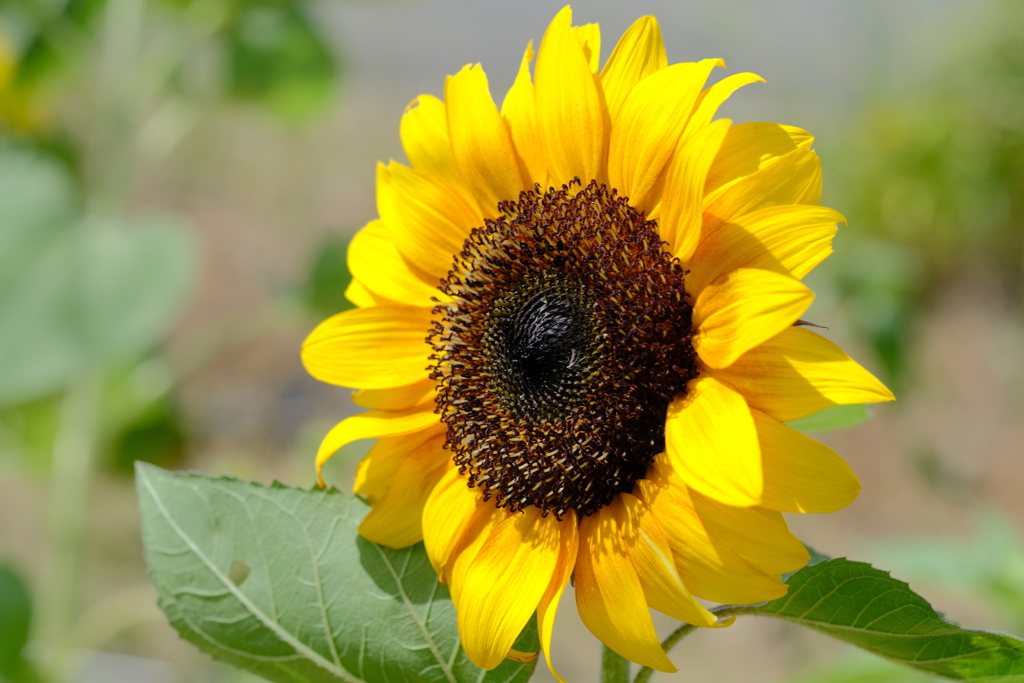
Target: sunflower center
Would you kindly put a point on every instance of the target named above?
(540, 346)
(567, 336)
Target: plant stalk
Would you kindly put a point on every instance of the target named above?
(722, 612)
(614, 667)
(70, 483)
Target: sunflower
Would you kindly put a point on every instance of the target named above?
(578, 339)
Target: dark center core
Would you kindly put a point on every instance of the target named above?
(567, 335)
(541, 346)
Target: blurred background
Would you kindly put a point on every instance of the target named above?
(178, 183)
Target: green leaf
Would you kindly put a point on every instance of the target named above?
(37, 201)
(866, 607)
(279, 582)
(833, 418)
(134, 281)
(92, 295)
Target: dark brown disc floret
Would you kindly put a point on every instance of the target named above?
(567, 335)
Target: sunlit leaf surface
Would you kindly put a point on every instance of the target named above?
(866, 607)
(278, 581)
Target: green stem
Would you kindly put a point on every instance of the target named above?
(70, 481)
(722, 611)
(614, 667)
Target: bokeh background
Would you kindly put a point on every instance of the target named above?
(178, 183)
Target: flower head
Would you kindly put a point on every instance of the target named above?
(576, 337)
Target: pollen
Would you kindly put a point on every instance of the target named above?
(567, 335)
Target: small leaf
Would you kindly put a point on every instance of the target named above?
(319, 602)
(866, 607)
(833, 418)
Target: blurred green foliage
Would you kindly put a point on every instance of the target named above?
(832, 418)
(268, 52)
(78, 292)
(93, 95)
(934, 176)
(15, 620)
(156, 436)
(277, 57)
(328, 278)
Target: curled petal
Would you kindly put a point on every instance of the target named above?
(395, 520)
(372, 425)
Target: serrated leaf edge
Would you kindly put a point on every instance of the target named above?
(827, 628)
(298, 645)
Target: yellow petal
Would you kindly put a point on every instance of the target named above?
(609, 595)
(476, 533)
(713, 97)
(424, 133)
(639, 53)
(799, 372)
(397, 398)
(589, 36)
(447, 514)
(800, 474)
(520, 111)
(375, 261)
(750, 147)
(360, 296)
(378, 467)
(346, 348)
(709, 568)
(711, 442)
(649, 123)
(396, 517)
(651, 555)
(679, 214)
(504, 584)
(742, 309)
(428, 223)
(793, 179)
(548, 606)
(569, 106)
(760, 179)
(480, 140)
(759, 536)
(789, 239)
(371, 425)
